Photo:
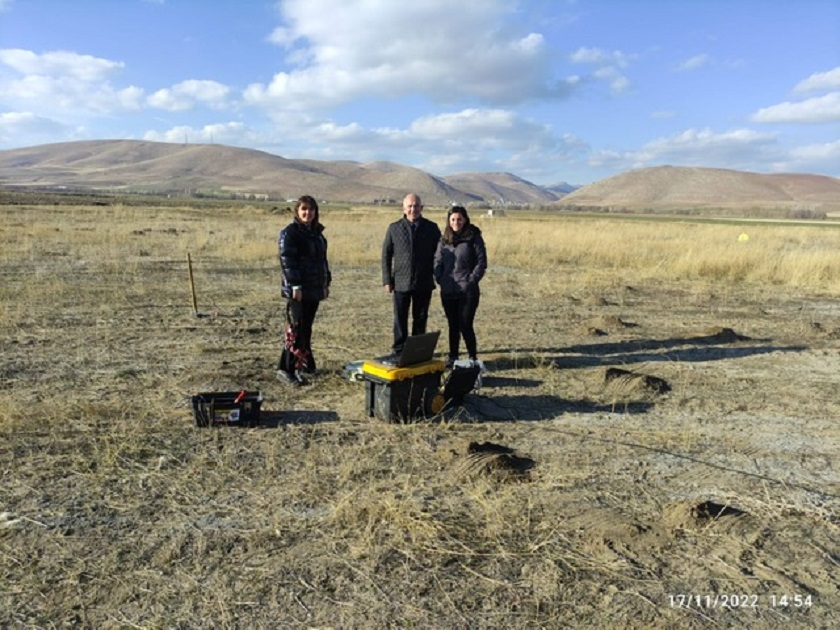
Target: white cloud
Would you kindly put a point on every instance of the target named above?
(187, 94)
(62, 97)
(738, 149)
(5, 5)
(468, 140)
(9, 119)
(352, 133)
(820, 81)
(492, 124)
(822, 109)
(475, 139)
(608, 66)
(446, 51)
(129, 98)
(600, 57)
(695, 62)
(17, 125)
(63, 84)
(822, 158)
(230, 133)
(617, 81)
(468, 131)
(827, 151)
(68, 65)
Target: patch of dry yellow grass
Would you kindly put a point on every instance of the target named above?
(803, 256)
(124, 240)
(792, 255)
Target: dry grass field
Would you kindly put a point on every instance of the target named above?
(673, 387)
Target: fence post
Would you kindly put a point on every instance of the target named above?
(192, 285)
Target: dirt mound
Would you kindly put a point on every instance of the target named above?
(591, 331)
(495, 460)
(625, 382)
(717, 334)
(605, 323)
(695, 515)
(596, 300)
(612, 537)
(819, 330)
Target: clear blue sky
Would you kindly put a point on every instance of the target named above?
(550, 90)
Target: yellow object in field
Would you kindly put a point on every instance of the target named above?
(744, 237)
(393, 373)
(402, 394)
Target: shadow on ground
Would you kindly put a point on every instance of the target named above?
(628, 352)
(274, 419)
(506, 381)
(478, 408)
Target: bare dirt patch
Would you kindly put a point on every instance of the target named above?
(552, 498)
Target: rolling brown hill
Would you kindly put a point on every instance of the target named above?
(155, 167)
(678, 188)
(501, 187)
(137, 166)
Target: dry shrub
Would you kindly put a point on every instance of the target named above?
(379, 514)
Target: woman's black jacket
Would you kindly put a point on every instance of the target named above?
(461, 264)
(303, 259)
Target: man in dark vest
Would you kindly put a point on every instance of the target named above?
(408, 256)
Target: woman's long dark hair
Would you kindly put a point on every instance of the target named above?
(449, 235)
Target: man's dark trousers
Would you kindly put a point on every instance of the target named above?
(418, 302)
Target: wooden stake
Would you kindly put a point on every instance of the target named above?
(192, 285)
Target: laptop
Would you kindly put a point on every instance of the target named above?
(417, 349)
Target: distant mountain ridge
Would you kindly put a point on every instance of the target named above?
(161, 168)
(139, 166)
(673, 187)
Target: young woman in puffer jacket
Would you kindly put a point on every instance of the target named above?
(306, 281)
(460, 263)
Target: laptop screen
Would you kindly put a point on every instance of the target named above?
(417, 349)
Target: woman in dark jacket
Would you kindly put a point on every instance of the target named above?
(460, 263)
(306, 281)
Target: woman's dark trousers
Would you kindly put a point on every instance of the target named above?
(460, 314)
(297, 348)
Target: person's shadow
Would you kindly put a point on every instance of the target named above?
(516, 408)
(712, 347)
(274, 419)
